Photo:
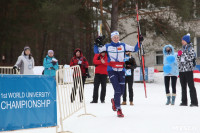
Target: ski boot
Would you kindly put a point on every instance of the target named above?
(119, 113)
(113, 104)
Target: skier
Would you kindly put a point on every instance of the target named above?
(130, 65)
(185, 64)
(116, 51)
(100, 62)
(50, 64)
(25, 62)
(171, 73)
(79, 59)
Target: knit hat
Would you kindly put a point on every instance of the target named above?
(27, 47)
(50, 51)
(186, 38)
(114, 33)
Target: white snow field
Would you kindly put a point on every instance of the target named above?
(148, 115)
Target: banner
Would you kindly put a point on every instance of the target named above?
(149, 74)
(27, 101)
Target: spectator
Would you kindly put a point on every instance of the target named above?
(130, 65)
(25, 62)
(170, 73)
(79, 59)
(100, 62)
(185, 64)
(50, 64)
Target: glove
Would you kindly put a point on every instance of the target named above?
(54, 63)
(99, 41)
(14, 67)
(180, 53)
(141, 38)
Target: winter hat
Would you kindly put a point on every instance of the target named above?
(186, 38)
(114, 33)
(27, 47)
(50, 51)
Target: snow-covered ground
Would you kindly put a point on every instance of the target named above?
(148, 115)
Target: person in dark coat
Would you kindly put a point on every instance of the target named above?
(130, 65)
(100, 62)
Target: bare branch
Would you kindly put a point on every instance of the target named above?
(128, 35)
(121, 2)
(94, 4)
(145, 13)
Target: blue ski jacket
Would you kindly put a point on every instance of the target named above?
(49, 66)
(174, 66)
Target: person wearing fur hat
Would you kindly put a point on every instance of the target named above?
(25, 62)
(116, 71)
(170, 62)
(130, 65)
(50, 64)
(185, 64)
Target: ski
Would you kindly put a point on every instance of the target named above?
(141, 51)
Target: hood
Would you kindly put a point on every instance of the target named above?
(165, 52)
(187, 46)
(78, 49)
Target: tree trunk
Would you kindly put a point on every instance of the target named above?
(114, 15)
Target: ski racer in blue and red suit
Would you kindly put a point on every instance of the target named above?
(116, 71)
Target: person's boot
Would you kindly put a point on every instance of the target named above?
(173, 98)
(131, 103)
(183, 104)
(168, 99)
(119, 113)
(123, 103)
(193, 105)
(113, 104)
(93, 102)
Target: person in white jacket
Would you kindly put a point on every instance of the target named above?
(25, 62)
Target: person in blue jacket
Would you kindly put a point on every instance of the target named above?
(170, 72)
(116, 71)
(50, 64)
